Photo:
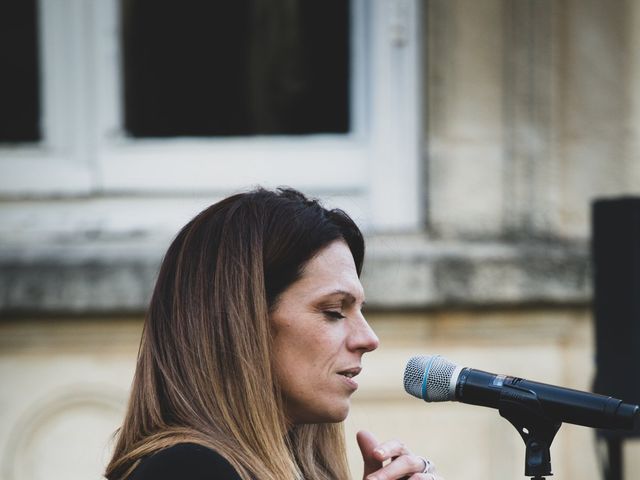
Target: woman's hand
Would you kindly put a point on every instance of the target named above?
(403, 464)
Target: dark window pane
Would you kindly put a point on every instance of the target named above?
(19, 72)
(242, 67)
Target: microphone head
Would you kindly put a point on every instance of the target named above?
(431, 378)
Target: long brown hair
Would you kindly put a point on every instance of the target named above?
(204, 371)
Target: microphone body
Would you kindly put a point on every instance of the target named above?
(433, 378)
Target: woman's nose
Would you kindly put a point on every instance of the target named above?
(363, 337)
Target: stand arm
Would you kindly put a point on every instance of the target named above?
(522, 409)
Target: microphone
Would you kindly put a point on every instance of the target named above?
(435, 379)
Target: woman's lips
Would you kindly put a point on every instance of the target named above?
(348, 376)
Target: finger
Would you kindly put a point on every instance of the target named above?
(399, 467)
(391, 449)
(368, 443)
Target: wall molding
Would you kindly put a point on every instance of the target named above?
(400, 273)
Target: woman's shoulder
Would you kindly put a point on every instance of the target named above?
(187, 461)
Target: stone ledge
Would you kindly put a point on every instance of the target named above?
(399, 274)
(430, 275)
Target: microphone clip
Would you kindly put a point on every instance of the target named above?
(523, 410)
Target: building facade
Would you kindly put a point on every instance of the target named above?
(479, 133)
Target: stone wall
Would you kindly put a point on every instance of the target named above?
(532, 113)
(69, 379)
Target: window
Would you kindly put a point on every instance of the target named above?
(133, 102)
(19, 82)
(235, 68)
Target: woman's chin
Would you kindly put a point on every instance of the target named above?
(336, 417)
(335, 414)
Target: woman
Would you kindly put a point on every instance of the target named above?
(249, 351)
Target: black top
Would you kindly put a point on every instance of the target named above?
(185, 461)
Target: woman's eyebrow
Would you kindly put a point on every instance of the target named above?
(350, 296)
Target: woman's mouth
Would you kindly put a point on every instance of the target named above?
(349, 374)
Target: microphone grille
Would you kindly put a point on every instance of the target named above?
(429, 377)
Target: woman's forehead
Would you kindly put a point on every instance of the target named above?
(331, 271)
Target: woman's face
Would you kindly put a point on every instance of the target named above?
(320, 336)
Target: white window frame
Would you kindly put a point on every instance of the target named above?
(84, 152)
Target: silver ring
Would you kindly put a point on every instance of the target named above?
(427, 465)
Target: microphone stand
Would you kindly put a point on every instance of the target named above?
(522, 409)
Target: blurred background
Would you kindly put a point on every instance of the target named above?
(468, 138)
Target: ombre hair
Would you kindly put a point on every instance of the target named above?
(204, 372)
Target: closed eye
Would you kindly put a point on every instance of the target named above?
(334, 314)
